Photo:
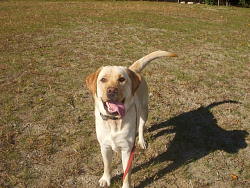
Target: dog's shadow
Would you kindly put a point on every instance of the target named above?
(196, 135)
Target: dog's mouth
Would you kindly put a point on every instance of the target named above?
(115, 108)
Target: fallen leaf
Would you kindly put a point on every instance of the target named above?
(234, 177)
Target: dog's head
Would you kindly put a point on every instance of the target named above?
(113, 87)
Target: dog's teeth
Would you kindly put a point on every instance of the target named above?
(108, 105)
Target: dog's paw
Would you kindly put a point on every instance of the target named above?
(104, 181)
(142, 144)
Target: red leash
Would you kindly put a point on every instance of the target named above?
(132, 153)
(131, 157)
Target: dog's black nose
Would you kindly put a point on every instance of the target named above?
(112, 92)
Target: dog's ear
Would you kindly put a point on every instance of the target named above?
(135, 78)
(91, 81)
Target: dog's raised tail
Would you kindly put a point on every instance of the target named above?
(140, 64)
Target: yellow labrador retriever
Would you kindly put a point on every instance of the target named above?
(121, 110)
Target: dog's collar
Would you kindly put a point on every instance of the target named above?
(107, 117)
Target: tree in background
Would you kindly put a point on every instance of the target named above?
(244, 3)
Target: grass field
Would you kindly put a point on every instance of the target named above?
(198, 127)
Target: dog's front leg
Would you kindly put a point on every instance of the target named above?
(107, 154)
(125, 158)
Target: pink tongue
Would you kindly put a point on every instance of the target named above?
(116, 107)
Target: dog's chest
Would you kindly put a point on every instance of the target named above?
(116, 134)
(115, 126)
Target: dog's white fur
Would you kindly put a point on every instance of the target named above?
(120, 134)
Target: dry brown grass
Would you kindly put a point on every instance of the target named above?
(47, 135)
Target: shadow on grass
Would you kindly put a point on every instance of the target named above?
(196, 135)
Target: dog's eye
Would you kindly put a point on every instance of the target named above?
(121, 79)
(103, 80)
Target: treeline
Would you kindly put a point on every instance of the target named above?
(243, 3)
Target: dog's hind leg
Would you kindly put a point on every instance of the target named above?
(142, 112)
(141, 140)
(142, 121)
(107, 154)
